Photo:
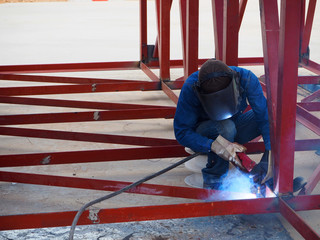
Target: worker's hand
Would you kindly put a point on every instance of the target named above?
(263, 171)
(227, 150)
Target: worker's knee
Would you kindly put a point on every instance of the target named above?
(228, 129)
(212, 129)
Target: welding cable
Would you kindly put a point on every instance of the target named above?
(84, 207)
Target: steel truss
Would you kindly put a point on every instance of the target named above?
(285, 48)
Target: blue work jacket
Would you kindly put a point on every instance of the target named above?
(190, 113)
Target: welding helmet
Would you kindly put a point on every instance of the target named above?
(222, 104)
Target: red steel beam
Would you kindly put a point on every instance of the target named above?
(249, 61)
(309, 120)
(81, 88)
(87, 137)
(311, 66)
(112, 155)
(312, 182)
(14, 69)
(307, 145)
(310, 106)
(73, 103)
(122, 154)
(59, 79)
(300, 145)
(309, 80)
(185, 210)
(149, 73)
(302, 115)
(177, 84)
(246, 61)
(230, 32)
(145, 213)
(296, 221)
(87, 116)
(169, 92)
(69, 67)
(305, 202)
(287, 94)
(312, 97)
(305, 79)
(109, 185)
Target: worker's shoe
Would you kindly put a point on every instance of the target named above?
(189, 150)
(298, 184)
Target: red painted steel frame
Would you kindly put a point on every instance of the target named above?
(251, 206)
(217, 13)
(107, 185)
(230, 32)
(270, 39)
(287, 94)
(143, 31)
(229, 207)
(164, 40)
(281, 44)
(296, 221)
(192, 32)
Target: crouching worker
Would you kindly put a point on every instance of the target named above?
(210, 116)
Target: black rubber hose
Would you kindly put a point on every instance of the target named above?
(84, 207)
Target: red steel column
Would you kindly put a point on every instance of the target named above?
(143, 30)
(308, 26)
(287, 94)
(217, 13)
(183, 21)
(302, 23)
(243, 4)
(156, 45)
(192, 40)
(164, 45)
(230, 32)
(270, 40)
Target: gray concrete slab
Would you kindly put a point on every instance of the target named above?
(250, 227)
(85, 31)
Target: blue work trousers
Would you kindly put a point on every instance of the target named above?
(241, 128)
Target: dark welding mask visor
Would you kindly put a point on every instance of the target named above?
(222, 104)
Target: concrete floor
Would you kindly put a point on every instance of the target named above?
(84, 31)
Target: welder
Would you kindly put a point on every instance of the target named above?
(212, 117)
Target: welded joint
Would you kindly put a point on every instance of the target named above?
(287, 200)
(46, 160)
(96, 115)
(94, 87)
(166, 80)
(304, 55)
(93, 216)
(285, 196)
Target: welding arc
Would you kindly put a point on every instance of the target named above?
(84, 207)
